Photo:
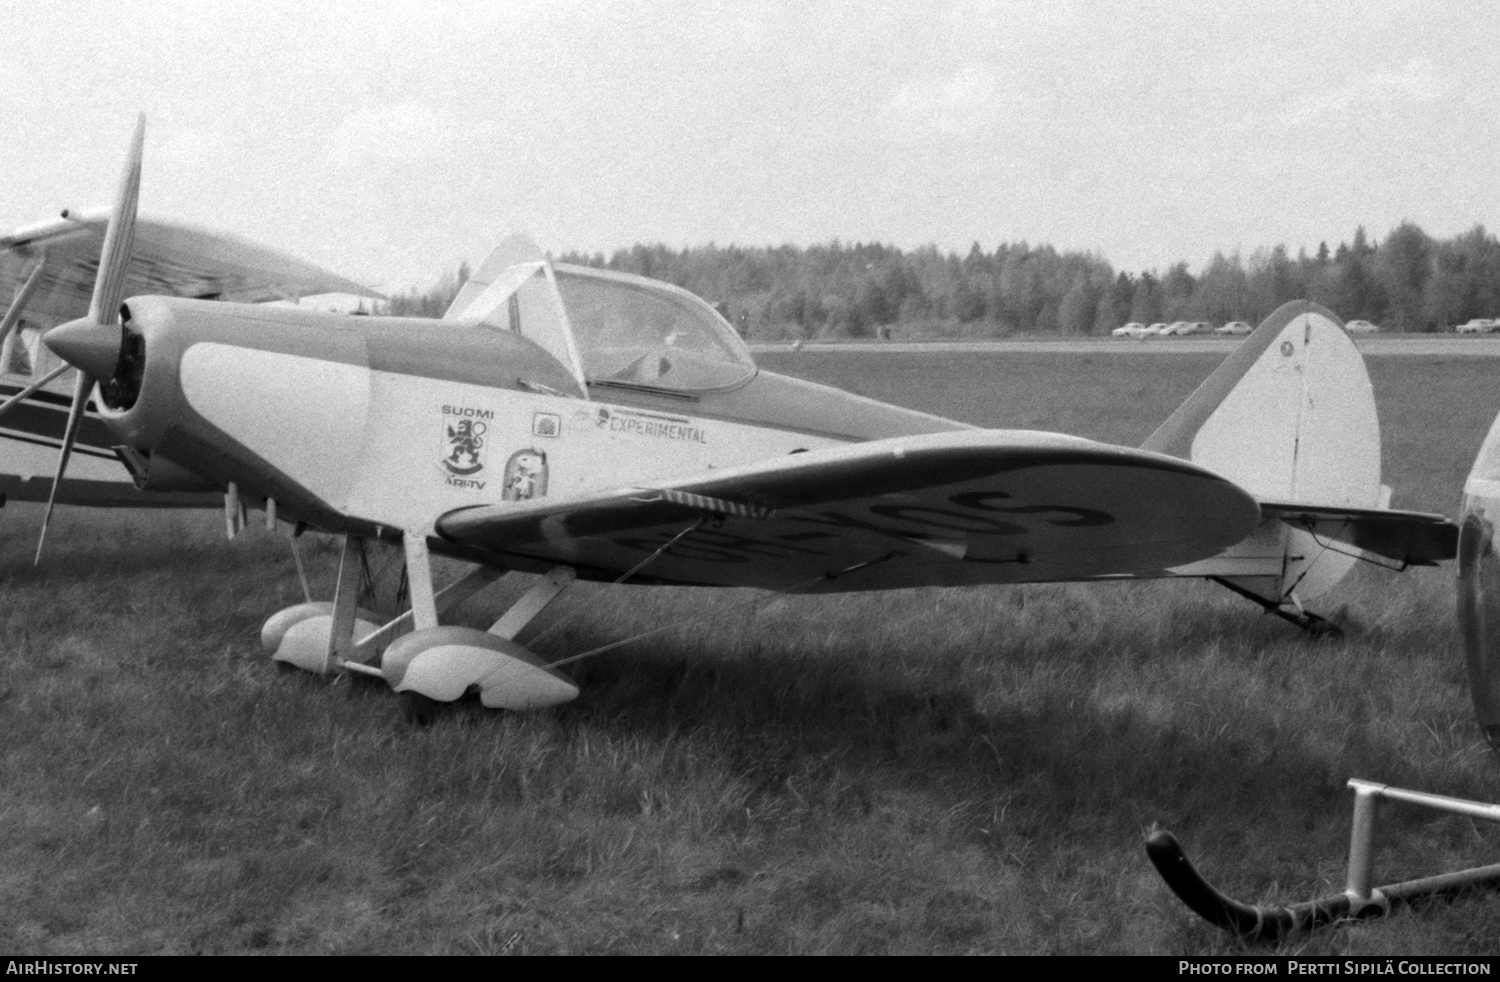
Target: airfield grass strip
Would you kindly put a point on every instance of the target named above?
(925, 771)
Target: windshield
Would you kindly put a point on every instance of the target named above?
(634, 331)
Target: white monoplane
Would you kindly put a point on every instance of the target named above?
(576, 423)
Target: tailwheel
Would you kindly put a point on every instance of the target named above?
(1319, 628)
(1287, 608)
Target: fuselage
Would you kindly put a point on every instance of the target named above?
(383, 427)
(360, 424)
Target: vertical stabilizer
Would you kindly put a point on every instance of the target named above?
(513, 250)
(1290, 417)
(515, 290)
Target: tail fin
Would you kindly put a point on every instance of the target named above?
(515, 289)
(513, 250)
(1290, 417)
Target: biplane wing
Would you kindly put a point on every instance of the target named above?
(49, 270)
(168, 257)
(952, 508)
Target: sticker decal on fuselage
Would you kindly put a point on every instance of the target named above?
(633, 422)
(525, 475)
(463, 446)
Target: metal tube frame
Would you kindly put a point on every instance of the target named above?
(1360, 899)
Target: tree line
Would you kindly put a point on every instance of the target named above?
(1407, 282)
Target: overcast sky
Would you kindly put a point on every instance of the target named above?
(391, 140)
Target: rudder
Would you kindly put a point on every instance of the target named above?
(1289, 416)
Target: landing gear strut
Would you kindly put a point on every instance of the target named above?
(432, 663)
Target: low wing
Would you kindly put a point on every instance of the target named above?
(979, 506)
(168, 257)
(1407, 538)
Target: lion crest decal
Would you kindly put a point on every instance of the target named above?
(463, 447)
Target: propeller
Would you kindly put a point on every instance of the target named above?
(79, 341)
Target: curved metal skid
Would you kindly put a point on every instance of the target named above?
(1244, 920)
(1360, 900)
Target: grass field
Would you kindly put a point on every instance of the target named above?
(932, 771)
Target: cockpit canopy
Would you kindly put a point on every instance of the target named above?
(637, 331)
(617, 329)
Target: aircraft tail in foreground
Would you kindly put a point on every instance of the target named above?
(1290, 417)
(1479, 583)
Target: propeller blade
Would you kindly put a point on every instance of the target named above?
(104, 306)
(119, 237)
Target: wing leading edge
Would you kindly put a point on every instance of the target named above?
(986, 506)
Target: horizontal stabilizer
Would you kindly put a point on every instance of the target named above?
(1407, 537)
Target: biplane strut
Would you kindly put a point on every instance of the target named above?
(1360, 899)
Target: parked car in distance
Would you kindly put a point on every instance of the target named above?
(1234, 327)
(1154, 330)
(1194, 327)
(1479, 325)
(1360, 327)
(1132, 330)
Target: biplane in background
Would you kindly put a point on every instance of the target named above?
(49, 269)
(581, 424)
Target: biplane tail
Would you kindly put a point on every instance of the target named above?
(1290, 417)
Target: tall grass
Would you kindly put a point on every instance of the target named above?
(924, 771)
